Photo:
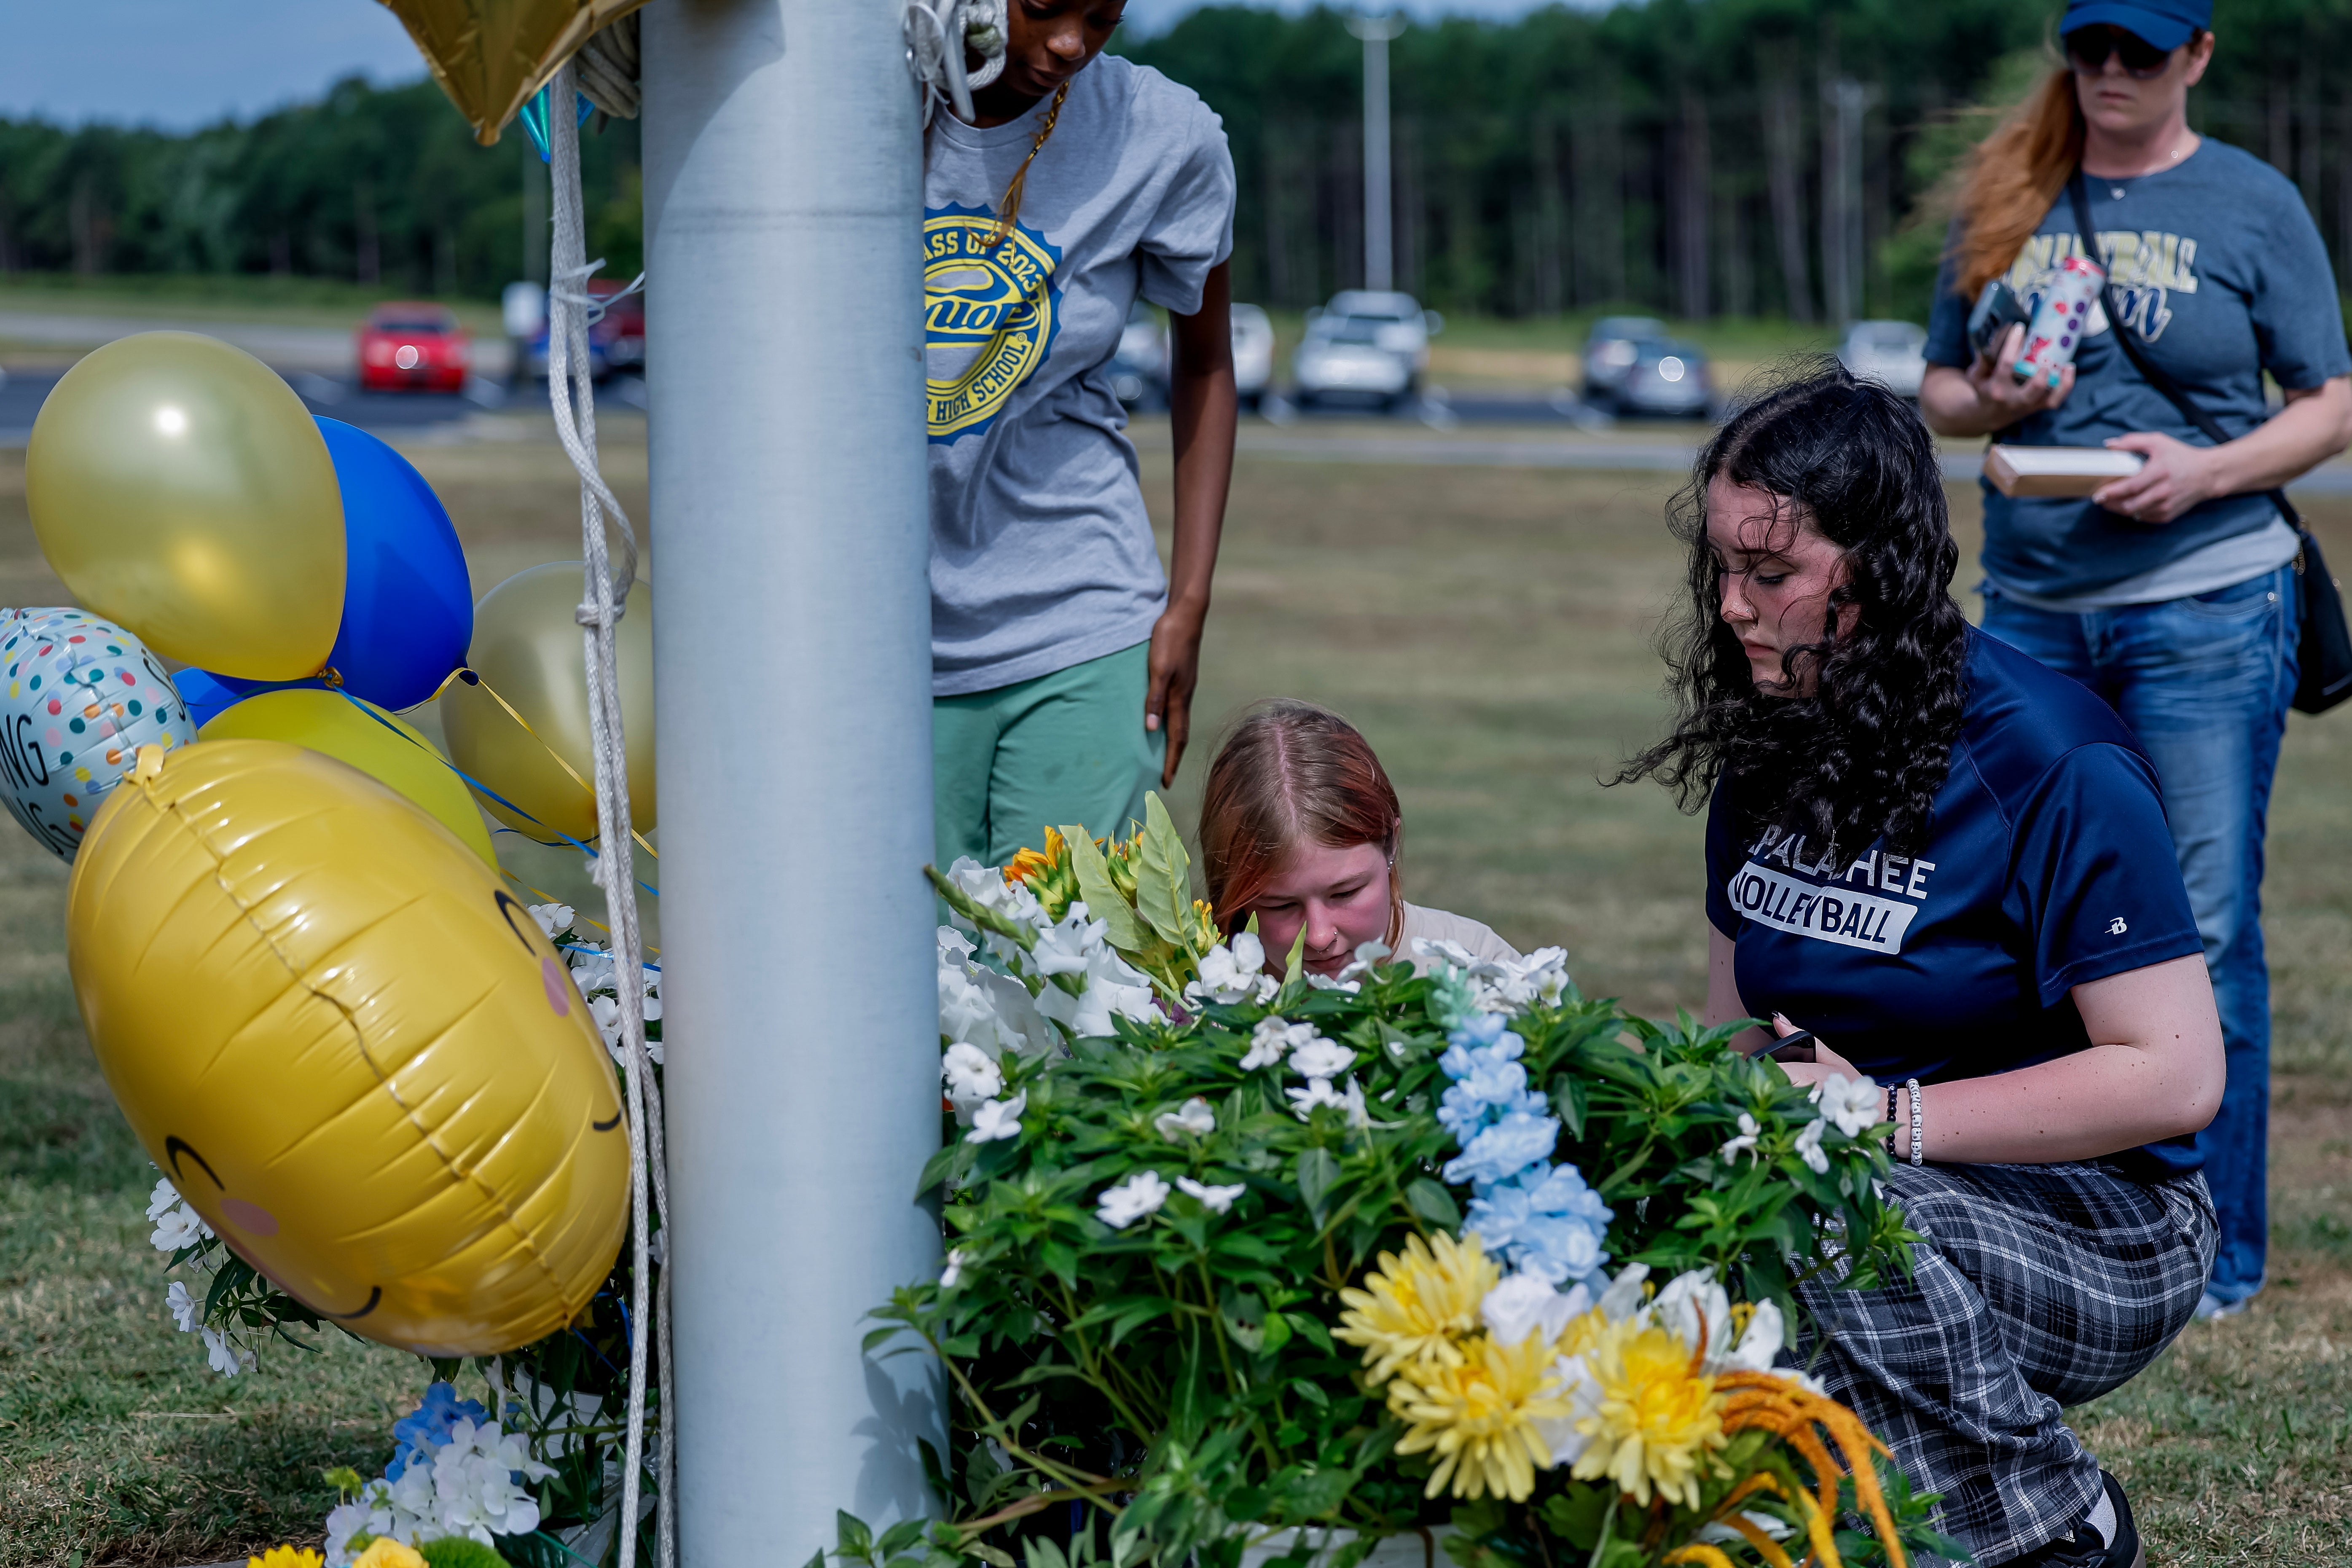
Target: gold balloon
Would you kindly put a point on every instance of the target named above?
(489, 56)
(527, 649)
(181, 489)
(351, 1048)
(392, 751)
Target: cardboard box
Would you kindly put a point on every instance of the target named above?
(2057, 470)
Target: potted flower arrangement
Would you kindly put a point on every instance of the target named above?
(1241, 1267)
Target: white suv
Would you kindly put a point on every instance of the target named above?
(1364, 346)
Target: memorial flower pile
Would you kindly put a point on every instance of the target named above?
(1298, 1263)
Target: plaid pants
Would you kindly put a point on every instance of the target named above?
(2036, 1287)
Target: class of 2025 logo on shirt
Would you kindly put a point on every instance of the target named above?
(990, 314)
(1870, 906)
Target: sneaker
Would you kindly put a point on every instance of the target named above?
(2083, 1549)
(2210, 1306)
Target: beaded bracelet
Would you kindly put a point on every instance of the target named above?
(1918, 1135)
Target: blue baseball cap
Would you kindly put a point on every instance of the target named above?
(2166, 24)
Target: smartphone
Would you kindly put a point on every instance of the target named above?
(1998, 309)
(1796, 1047)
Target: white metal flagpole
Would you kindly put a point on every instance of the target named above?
(1379, 245)
(792, 619)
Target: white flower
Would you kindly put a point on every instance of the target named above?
(1066, 949)
(1320, 1093)
(1319, 1057)
(1139, 1194)
(1853, 1105)
(952, 1275)
(162, 1200)
(1500, 986)
(1692, 1305)
(1196, 1118)
(1324, 982)
(476, 1482)
(1574, 1383)
(1716, 1533)
(183, 1227)
(1744, 1144)
(1624, 1297)
(1113, 989)
(1527, 1304)
(1545, 972)
(954, 946)
(551, 918)
(1760, 1345)
(1437, 949)
(1216, 1200)
(594, 970)
(971, 1078)
(1808, 1147)
(987, 1009)
(998, 1119)
(606, 1012)
(1233, 973)
(227, 1359)
(1272, 1039)
(1367, 955)
(986, 886)
(182, 1305)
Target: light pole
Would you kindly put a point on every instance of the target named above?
(792, 693)
(1376, 28)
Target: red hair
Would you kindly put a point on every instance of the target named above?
(1290, 773)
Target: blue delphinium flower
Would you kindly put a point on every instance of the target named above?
(427, 1427)
(1489, 1083)
(1546, 1222)
(1505, 1147)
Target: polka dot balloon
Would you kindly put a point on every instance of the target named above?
(79, 697)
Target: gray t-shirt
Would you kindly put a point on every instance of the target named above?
(1041, 555)
(2219, 271)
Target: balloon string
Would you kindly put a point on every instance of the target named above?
(483, 788)
(473, 677)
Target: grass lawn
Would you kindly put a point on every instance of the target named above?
(1488, 629)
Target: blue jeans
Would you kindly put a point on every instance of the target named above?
(2204, 683)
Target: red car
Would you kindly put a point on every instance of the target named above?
(413, 346)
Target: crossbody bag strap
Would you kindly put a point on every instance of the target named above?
(2155, 374)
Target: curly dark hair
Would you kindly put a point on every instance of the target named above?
(1861, 744)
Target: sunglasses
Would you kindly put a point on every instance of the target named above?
(2088, 48)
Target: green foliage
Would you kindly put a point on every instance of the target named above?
(1179, 1378)
(458, 1551)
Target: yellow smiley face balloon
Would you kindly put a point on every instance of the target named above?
(351, 1048)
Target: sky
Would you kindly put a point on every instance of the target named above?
(178, 64)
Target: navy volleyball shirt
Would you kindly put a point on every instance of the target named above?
(2048, 863)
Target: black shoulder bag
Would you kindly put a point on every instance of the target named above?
(2323, 641)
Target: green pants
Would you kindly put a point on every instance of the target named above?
(1069, 747)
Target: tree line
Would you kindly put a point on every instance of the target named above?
(1700, 157)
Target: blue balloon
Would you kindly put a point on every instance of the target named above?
(408, 604)
(204, 695)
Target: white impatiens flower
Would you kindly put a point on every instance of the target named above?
(1744, 1144)
(1273, 1040)
(1215, 1199)
(1854, 1105)
(1319, 1057)
(1130, 1200)
(162, 1200)
(1499, 985)
(182, 1226)
(1196, 1120)
(1320, 1093)
(551, 918)
(1233, 973)
(182, 1305)
(999, 1118)
(1114, 989)
(971, 1078)
(952, 1275)
(1065, 949)
(227, 1359)
(477, 1482)
(1527, 1304)
(1808, 1147)
(1369, 955)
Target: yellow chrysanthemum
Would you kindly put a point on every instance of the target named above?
(1656, 1415)
(383, 1551)
(287, 1557)
(1413, 1309)
(1029, 864)
(1478, 1415)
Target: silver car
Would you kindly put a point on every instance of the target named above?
(1667, 378)
(1611, 348)
(1365, 346)
(1894, 353)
